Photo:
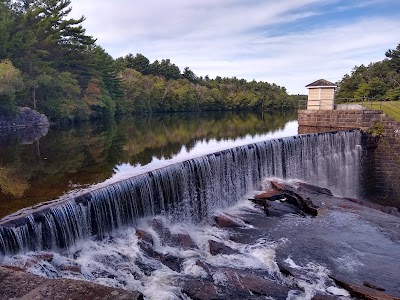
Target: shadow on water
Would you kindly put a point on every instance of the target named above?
(76, 157)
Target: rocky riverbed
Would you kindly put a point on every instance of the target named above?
(289, 241)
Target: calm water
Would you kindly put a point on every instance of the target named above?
(66, 159)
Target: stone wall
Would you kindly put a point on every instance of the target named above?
(339, 119)
(381, 159)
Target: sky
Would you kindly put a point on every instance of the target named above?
(287, 42)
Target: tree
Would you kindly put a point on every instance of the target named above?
(394, 57)
(10, 83)
(189, 75)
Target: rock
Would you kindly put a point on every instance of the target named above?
(172, 262)
(162, 231)
(200, 290)
(184, 241)
(144, 236)
(219, 248)
(146, 243)
(306, 205)
(386, 209)
(223, 221)
(26, 286)
(288, 271)
(276, 185)
(373, 286)
(276, 209)
(74, 268)
(314, 189)
(242, 281)
(324, 297)
(271, 194)
(261, 202)
(361, 291)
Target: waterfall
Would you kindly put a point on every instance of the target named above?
(190, 190)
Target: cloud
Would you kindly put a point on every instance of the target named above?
(262, 40)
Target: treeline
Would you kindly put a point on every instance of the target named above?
(49, 63)
(377, 80)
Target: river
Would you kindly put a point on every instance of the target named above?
(71, 158)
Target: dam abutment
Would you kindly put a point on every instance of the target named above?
(380, 180)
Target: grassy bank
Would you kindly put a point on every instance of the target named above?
(391, 108)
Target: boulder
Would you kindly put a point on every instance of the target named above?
(172, 262)
(246, 283)
(22, 285)
(223, 221)
(361, 291)
(200, 289)
(271, 194)
(219, 248)
(144, 236)
(184, 241)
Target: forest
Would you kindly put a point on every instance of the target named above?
(379, 80)
(50, 64)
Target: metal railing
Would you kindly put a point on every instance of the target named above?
(392, 108)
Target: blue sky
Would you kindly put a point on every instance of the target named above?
(287, 42)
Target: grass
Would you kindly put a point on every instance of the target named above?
(390, 108)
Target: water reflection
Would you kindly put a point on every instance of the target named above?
(70, 158)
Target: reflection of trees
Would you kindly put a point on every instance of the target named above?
(88, 153)
(12, 183)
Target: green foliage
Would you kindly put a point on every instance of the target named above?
(377, 80)
(65, 75)
(159, 94)
(376, 130)
(10, 83)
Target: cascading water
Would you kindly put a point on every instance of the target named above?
(190, 190)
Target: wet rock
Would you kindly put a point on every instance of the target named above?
(314, 189)
(252, 284)
(184, 241)
(74, 268)
(386, 209)
(278, 209)
(361, 291)
(145, 268)
(223, 221)
(22, 285)
(261, 202)
(289, 271)
(162, 231)
(277, 185)
(219, 248)
(200, 289)
(373, 286)
(305, 204)
(144, 236)
(325, 297)
(146, 243)
(271, 194)
(172, 262)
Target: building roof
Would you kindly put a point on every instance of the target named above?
(320, 83)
